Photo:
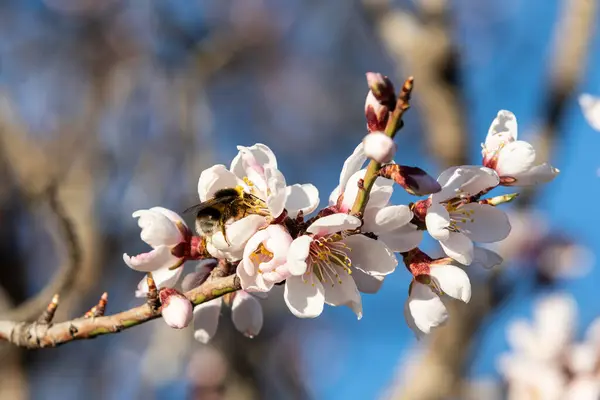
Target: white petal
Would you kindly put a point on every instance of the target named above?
(502, 130)
(172, 215)
(486, 258)
(582, 358)
(437, 221)
(537, 175)
(261, 153)
(380, 193)
(379, 147)
(252, 283)
(521, 336)
(259, 237)
(215, 178)
(297, 254)
(590, 105)
(157, 228)
(404, 239)
(334, 196)
(304, 299)
(469, 179)
(515, 158)
(303, 198)
(582, 388)
(410, 321)
(386, 219)
(426, 308)
(277, 191)
(367, 283)
(156, 259)
(458, 247)
(206, 320)
(484, 224)
(247, 314)
(370, 256)
(452, 280)
(333, 223)
(352, 164)
(238, 233)
(163, 278)
(343, 292)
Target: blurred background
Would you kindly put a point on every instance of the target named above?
(107, 107)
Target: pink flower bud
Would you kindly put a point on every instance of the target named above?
(177, 310)
(379, 147)
(413, 179)
(376, 113)
(382, 89)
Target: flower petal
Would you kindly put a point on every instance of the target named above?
(537, 175)
(386, 219)
(379, 147)
(404, 239)
(251, 245)
(252, 283)
(276, 191)
(238, 233)
(352, 164)
(344, 292)
(304, 299)
(303, 198)
(297, 254)
(437, 221)
(469, 179)
(333, 223)
(157, 228)
(452, 280)
(172, 215)
(502, 130)
(367, 283)
(380, 193)
(247, 314)
(483, 223)
(515, 158)
(425, 308)
(590, 105)
(486, 258)
(370, 256)
(156, 259)
(163, 278)
(215, 178)
(261, 153)
(206, 320)
(458, 247)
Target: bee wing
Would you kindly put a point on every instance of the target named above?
(209, 203)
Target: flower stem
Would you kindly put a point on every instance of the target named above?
(393, 125)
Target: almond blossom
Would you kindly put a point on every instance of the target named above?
(512, 159)
(455, 221)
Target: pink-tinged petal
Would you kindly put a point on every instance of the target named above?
(333, 223)
(163, 278)
(252, 283)
(590, 105)
(367, 283)
(537, 175)
(483, 223)
(467, 179)
(215, 178)
(486, 258)
(303, 198)
(304, 299)
(261, 153)
(156, 259)
(206, 320)
(404, 239)
(248, 261)
(352, 165)
(334, 196)
(370, 256)
(176, 310)
(276, 191)
(297, 254)
(437, 221)
(238, 233)
(458, 247)
(157, 229)
(247, 314)
(172, 215)
(278, 242)
(583, 387)
(343, 292)
(379, 147)
(426, 308)
(515, 158)
(502, 130)
(452, 280)
(386, 219)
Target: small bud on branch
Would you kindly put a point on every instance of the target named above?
(413, 179)
(494, 201)
(48, 314)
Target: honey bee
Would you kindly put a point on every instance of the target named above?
(227, 204)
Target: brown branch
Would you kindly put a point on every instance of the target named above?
(35, 335)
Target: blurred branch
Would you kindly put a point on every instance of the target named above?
(39, 335)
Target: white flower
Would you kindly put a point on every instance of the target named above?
(455, 222)
(379, 147)
(513, 160)
(176, 309)
(590, 105)
(321, 262)
(424, 309)
(264, 260)
(167, 234)
(246, 313)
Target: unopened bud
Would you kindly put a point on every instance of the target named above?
(379, 147)
(382, 89)
(494, 201)
(413, 179)
(177, 310)
(376, 113)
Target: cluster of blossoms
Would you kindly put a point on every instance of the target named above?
(348, 247)
(546, 361)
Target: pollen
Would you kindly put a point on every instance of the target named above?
(327, 255)
(261, 255)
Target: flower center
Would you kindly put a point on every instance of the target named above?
(459, 216)
(261, 255)
(327, 255)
